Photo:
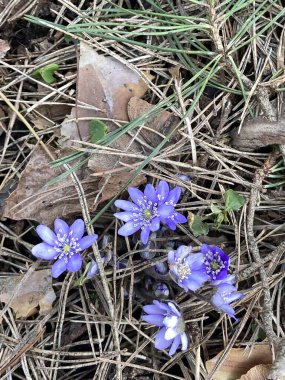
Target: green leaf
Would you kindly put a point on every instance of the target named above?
(98, 130)
(46, 73)
(215, 209)
(220, 218)
(233, 201)
(196, 225)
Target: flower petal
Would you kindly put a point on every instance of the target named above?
(61, 227)
(170, 334)
(46, 234)
(124, 216)
(126, 205)
(171, 224)
(129, 228)
(184, 341)
(191, 284)
(171, 257)
(171, 321)
(175, 344)
(58, 268)
(77, 229)
(74, 263)
(44, 251)
(160, 342)
(174, 196)
(136, 195)
(174, 309)
(195, 261)
(155, 224)
(153, 309)
(93, 270)
(150, 193)
(162, 305)
(145, 235)
(165, 211)
(179, 218)
(87, 241)
(154, 319)
(162, 191)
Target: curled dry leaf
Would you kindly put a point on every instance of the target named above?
(259, 372)
(259, 132)
(33, 292)
(162, 123)
(239, 361)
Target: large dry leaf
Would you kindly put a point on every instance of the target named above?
(32, 292)
(107, 85)
(33, 199)
(238, 362)
(259, 372)
(162, 122)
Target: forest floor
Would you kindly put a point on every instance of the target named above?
(97, 96)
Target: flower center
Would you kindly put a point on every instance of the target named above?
(183, 270)
(66, 248)
(147, 214)
(215, 265)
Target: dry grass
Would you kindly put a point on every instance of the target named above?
(94, 332)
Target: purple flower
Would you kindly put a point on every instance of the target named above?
(148, 210)
(63, 245)
(94, 269)
(187, 268)
(226, 293)
(161, 268)
(170, 197)
(216, 262)
(161, 290)
(172, 332)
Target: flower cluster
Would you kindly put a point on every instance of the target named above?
(149, 209)
(191, 270)
(171, 323)
(151, 212)
(63, 245)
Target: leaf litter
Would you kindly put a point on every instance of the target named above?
(211, 105)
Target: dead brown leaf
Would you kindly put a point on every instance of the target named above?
(161, 124)
(259, 372)
(4, 47)
(239, 361)
(36, 291)
(33, 199)
(107, 85)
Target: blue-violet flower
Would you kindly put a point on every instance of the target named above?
(216, 262)
(63, 245)
(148, 209)
(94, 269)
(187, 268)
(226, 293)
(161, 290)
(169, 318)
